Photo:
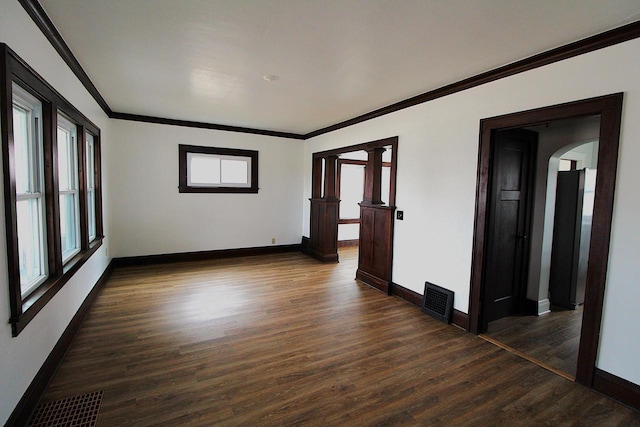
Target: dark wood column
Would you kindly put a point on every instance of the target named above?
(373, 177)
(323, 244)
(376, 228)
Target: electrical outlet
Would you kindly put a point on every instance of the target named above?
(400, 215)
(273, 240)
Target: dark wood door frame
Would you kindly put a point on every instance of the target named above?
(609, 108)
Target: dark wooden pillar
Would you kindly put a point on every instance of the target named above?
(376, 228)
(323, 244)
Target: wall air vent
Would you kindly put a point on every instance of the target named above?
(437, 302)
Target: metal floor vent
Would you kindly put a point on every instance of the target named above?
(71, 412)
(437, 302)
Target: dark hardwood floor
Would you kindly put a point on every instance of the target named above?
(552, 339)
(283, 339)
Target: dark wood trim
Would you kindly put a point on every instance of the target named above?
(29, 401)
(349, 221)
(304, 245)
(348, 243)
(589, 44)
(406, 294)
(183, 184)
(458, 318)
(203, 255)
(14, 69)
(39, 16)
(202, 125)
(373, 281)
(393, 141)
(609, 108)
(617, 388)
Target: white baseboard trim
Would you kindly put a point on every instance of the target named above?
(544, 306)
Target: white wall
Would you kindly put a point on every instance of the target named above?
(437, 166)
(151, 217)
(22, 357)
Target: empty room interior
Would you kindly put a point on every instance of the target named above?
(319, 212)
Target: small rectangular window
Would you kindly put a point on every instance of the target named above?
(217, 170)
(68, 188)
(29, 179)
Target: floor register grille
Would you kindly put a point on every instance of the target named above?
(70, 412)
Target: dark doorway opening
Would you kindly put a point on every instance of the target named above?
(609, 109)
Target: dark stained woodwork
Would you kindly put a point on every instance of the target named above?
(316, 186)
(589, 44)
(348, 243)
(609, 108)
(13, 68)
(324, 212)
(323, 244)
(376, 250)
(617, 388)
(330, 178)
(373, 177)
(284, 340)
(203, 255)
(349, 221)
(507, 255)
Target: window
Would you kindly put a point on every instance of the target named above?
(29, 181)
(52, 198)
(91, 185)
(217, 170)
(68, 188)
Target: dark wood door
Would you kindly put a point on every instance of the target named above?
(513, 157)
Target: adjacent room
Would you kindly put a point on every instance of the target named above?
(319, 212)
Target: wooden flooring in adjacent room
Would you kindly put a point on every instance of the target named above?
(283, 339)
(552, 338)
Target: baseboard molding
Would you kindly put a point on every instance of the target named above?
(617, 388)
(458, 318)
(305, 245)
(348, 243)
(374, 281)
(203, 255)
(30, 399)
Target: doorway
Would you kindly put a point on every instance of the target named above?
(374, 214)
(608, 109)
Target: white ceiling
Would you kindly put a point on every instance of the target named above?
(205, 60)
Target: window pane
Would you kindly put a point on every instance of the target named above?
(91, 207)
(234, 171)
(64, 143)
(91, 199)
(68, 224)
(21, 147)
(351, 190)
(204, 169)
(30, 244)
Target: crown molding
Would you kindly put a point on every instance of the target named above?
(589, 44)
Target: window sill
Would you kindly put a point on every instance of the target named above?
(36, 301)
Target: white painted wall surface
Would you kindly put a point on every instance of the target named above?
(151, 217)
(22, 357)
(437, 167)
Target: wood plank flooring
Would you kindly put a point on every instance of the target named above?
(284, 340)
(552, 338)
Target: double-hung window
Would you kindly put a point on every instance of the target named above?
(29, 181)
(90, 150)
(52, 188)
(68, 187)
